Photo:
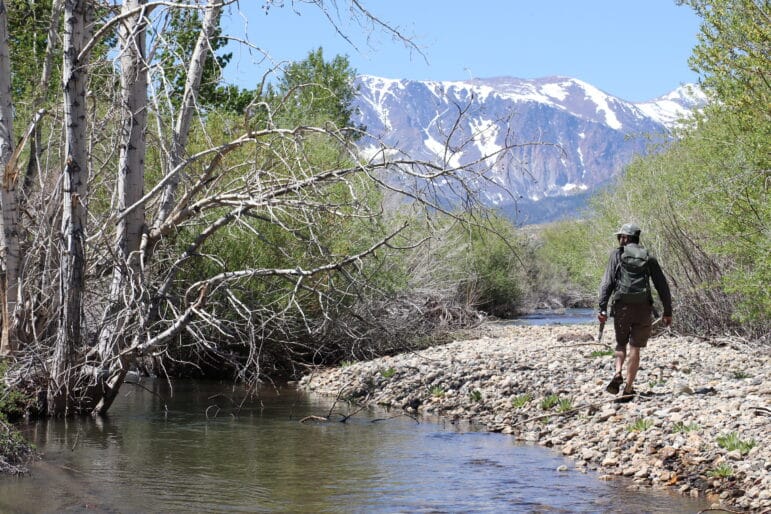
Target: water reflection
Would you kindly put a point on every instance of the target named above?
(555, 317)
(202, 450)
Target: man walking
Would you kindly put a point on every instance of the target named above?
(630, 270)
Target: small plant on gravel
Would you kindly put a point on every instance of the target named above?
(681, 428)
(731, 442)
(565, 404)
(550, 401)
(475, 395)
(741, 374)
(437, 392)
(601, 353)
(521, 400)
(640, 425)
(723, 470)
(388, 373)
(346, 364)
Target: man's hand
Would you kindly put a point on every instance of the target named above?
(603, 317)
(666, 320)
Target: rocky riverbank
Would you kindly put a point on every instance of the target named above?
(701, 422)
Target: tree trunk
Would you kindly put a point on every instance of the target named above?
(131, 173)
(189, 99)
(130, 188)
(10, 261)
(74, 196)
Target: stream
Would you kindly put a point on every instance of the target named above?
(200, 446)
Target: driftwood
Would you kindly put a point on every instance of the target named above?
(570, 412)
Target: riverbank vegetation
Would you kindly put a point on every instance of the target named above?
(155, 219)
(703, 200)
(15, 451)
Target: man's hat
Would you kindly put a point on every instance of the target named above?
(629, 229)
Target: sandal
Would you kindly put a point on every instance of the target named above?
(627, 396)
(615, 384)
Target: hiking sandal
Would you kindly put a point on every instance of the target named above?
(615, 384)
(627, 396)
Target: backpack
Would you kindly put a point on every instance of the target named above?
(633, 276)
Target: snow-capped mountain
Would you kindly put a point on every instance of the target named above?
(569, 137)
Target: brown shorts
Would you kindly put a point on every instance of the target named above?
(633, 324)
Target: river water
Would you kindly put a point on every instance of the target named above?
(199, 447)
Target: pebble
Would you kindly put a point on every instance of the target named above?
(537, 385)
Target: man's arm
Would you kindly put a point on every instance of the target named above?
(608, 283)
(662, 287)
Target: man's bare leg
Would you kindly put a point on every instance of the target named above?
(620, 357)
(634, 365)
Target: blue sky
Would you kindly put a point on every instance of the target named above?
(634, 49)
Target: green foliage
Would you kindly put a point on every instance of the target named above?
(494, 266)
(565, 404)
(733, 54)
(28, 29)
(558, 267)
(13, 403)
(681, 427)
(437, 391)
(521, 400)
(640, 425)
(28, 24)
(731, 441)
(475, 395)
(722, 470)
(602, 353)
(184, 27)
(562, 243)
(550, 401)
(316, 92)
(388, 372)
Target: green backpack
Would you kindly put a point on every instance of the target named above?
(633, 276)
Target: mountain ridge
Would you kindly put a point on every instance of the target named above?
(568, 136)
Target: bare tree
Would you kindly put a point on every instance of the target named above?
(125, 293)
(9, 233)
(72, 249)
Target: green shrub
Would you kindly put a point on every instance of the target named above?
(723, 470)
(437, 392)
(640, 425)
(13, 403)
(521, 400)
(681, 427)
(550, 401)
(731, 442)
(565, 404)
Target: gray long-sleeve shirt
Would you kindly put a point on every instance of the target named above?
(608, 284)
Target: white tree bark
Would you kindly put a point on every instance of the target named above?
(9, 232)
(74, 197)
(131, 169)
(187, 109)
(130, 189)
